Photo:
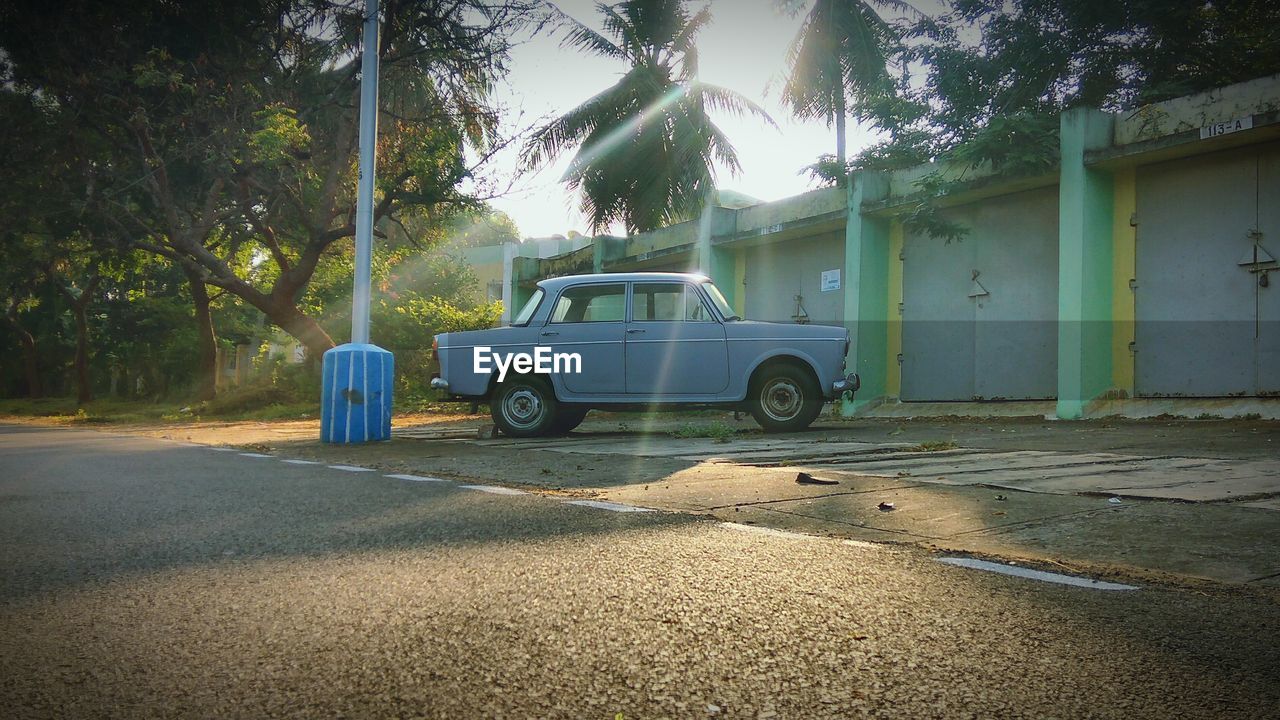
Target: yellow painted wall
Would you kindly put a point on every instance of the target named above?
(893, 372)
(1124, 268)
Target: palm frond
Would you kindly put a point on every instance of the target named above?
(584, 38)
(726, 100)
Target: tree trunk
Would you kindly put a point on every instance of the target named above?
(302, 327)
(84, 391)
(31, 361)
(840, 137)
(30, 358)
(206, 340)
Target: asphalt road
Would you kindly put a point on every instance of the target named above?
(144, 578)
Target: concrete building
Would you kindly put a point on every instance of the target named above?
(1134, 276)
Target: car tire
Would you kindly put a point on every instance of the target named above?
(568, 419)
(784, 398)
(524, 407)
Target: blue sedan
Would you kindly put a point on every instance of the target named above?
(641, 341)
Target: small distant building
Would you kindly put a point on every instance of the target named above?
(492, 263)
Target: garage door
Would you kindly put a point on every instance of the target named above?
(980, 314)
(776, 273)
(1208, 318)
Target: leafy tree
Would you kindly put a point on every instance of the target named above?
(646, 145)
(232, 127)
(995, 75)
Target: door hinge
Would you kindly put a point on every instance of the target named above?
(1133, 284)
(1133, 219)
(899, 358)
(1133, 346)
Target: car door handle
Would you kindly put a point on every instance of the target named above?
(632, 331)
(549, 333)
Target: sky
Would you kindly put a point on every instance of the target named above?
(743, 49)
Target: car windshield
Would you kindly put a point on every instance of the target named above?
(529, 308)
(718, 300)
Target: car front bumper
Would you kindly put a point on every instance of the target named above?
(850, 383)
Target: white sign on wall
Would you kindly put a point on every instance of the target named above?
(830, 280)
(1227, 127)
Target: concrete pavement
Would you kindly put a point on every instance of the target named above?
(149, 578)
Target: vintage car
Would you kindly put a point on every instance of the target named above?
(640, 341)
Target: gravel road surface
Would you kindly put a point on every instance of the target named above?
(145, 578)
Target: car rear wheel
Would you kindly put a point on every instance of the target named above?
(523, 407)
(783, 398)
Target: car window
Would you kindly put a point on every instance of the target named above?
(530, 307)
(591, 303)
(666, 302)
(718, 299)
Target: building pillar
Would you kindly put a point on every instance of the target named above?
(1085, 264)
(866, 290)
(597, 254)
(509, 251)
(716, 263)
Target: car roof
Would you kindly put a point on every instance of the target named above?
(554, 284)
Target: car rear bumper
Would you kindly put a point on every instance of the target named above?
(850, 383)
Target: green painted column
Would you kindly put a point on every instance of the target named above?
(522, 269)
(723, 271)
(597, 254)
(866, 290)
(1085, 205)
(714, 262)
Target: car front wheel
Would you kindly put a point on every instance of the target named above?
(523, 407)
(783, 398)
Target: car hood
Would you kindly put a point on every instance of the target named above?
(492, 336)
(762, 329)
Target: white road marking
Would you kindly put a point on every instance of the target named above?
(603, 505)
(859, 543)
(494, 489)
(351, 468)
(1041, 575)
(220, 449)
(301, 462)
(767, 531)
(416, 478)
(256, 455)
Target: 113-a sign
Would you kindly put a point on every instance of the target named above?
(1226, 127)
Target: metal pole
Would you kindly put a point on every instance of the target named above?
(368, 163)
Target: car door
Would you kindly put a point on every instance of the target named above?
(588, 320)
(674, 345)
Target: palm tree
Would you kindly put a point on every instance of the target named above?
(839, 53)
(646, 145)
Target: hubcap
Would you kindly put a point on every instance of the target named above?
(781, 399)
(523, 408)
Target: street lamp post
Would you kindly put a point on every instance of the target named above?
(355, 398)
